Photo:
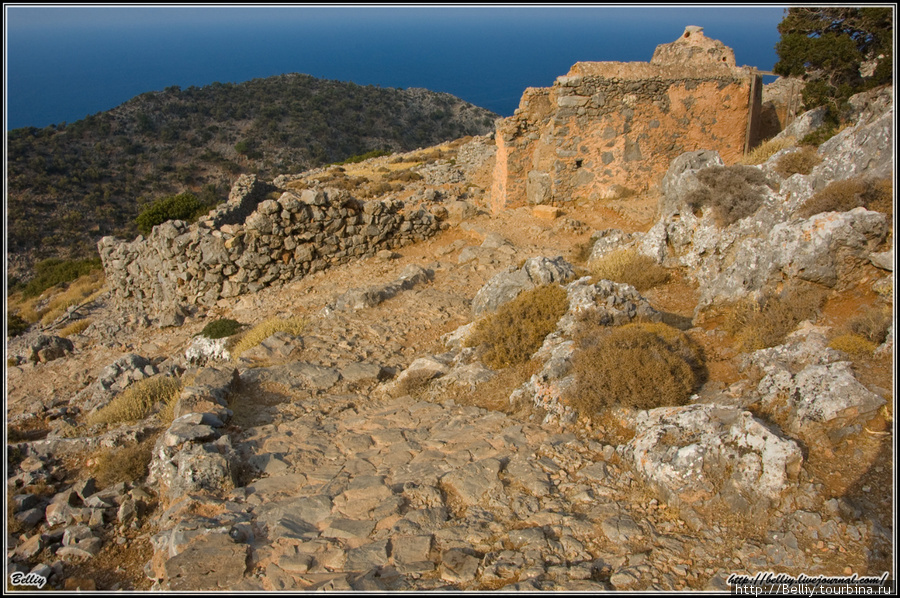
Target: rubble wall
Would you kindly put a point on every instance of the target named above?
(610, 128)
(280, 240)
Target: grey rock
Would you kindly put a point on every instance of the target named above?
(211, 562)
(458, 567)
(808, 122)
(707, 453)
(47, 348)
(507, 285)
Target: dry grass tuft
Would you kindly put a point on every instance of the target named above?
(801, 161)
(54, 302)
(75, 328)
(872, 324)
(630, 267)
(845, 195)
(136, 402)
(853, 344)
(640, 365)
(513, 334)
(262, 331)
(758, 325)
(123, 464)
(767, 149)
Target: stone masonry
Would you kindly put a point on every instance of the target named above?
(224, 255)
(608, 129)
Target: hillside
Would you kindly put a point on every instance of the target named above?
(72, 183)
(406, 374)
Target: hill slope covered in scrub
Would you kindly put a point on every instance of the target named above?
(70, 184)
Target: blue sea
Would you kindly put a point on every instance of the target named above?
(66, 62)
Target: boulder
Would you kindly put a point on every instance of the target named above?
(705, 454)
(507, 285)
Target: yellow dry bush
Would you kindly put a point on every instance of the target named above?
(136, 401)
(801, 161)
(74, 328)
(630, 267)
(853, 344)
(262, 331)
(127, 463)
(847, 194)
(513, 334)
(767, 149)
(758, 325)
(640, 365)
(82, 290)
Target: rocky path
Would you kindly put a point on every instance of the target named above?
(337, 484)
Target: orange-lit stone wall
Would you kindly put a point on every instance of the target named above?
(607, 129)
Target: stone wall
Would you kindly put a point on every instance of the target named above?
(280, 240)
(610, 128)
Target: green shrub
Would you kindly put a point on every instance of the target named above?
(758, 325)
(845, 195)
(640, 365)
(15, 325)
(136, 401)
(365, 156)
(630, 267)
(801, 161)
(221, 328)
(513, 334)
(54, 271)
(822, 134)
(184, 206)
(732, 192)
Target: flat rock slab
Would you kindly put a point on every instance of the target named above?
(296, 376)
(211, 562)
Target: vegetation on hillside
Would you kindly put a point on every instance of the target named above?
(830, 46)
(70, 184)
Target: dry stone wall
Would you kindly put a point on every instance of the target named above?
(224, 255)
(610, 128)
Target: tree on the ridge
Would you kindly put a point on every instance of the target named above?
(828, 45)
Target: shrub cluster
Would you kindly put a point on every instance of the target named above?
(184, 206)
(221, 328)
(630, 267)
(801, 161)
(872, 324)
(366, 156)
(512, 334)
(640, 365)
(54, 271)
(15, 325)
(845, 195)
(853, 344)
(137, 400)
(761, 324)
(732, 192)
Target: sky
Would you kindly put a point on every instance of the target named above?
(64, 62)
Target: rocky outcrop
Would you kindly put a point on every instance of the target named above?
(607, 129)
(300, 233)
(773, 243)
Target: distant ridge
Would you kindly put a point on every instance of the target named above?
(71, 184)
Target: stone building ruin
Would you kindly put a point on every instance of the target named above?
(607, 129)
